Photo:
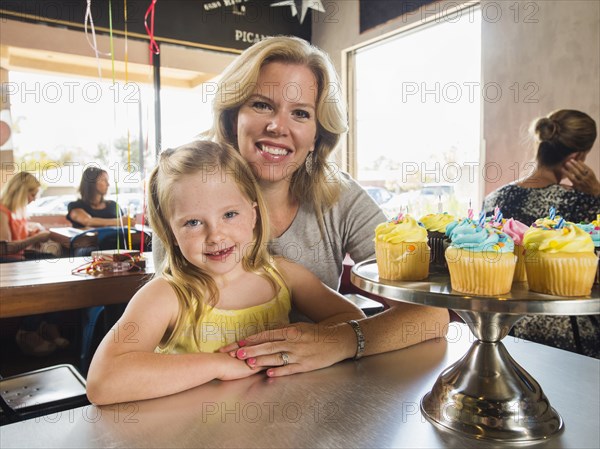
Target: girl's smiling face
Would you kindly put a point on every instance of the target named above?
(277, 125)
(213, 222)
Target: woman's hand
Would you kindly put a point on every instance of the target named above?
(295, 349)
(232, 368)
(582, 177)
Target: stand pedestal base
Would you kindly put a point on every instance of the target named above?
(487, 395)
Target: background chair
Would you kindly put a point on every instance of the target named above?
(41, 392)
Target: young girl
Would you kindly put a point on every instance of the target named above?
(219, 283)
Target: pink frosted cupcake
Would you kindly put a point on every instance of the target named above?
(515, 230)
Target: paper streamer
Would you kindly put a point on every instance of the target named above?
(154, 49)
(88, 19)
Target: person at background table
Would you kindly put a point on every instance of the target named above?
(219, 283)
(38, 334)
(92, 210)
(17, 193)
(564, 139)
(279, 105)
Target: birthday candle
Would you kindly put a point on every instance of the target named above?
(482, 218)
(440, 205)
(561, 223)
(552, 213)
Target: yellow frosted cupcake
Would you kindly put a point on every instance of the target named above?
(560, 258)
(401, 249)
(480, 259)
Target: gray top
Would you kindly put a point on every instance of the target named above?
(349, 229)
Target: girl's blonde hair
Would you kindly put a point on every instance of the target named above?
(321, 185)
(194, 287)
(16, 190)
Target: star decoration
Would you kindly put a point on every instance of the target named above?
(301, 5)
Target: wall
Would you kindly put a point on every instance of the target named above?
(559, 55)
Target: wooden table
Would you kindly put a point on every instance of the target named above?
(48, 285)
(373, 402)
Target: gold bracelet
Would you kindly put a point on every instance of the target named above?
(360, 339)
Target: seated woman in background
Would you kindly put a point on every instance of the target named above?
(565, 138)
(38, 334)
(92, 210)
(25, 237)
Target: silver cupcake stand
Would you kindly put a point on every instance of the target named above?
(486, 394)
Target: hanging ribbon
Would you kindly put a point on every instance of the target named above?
(93, 43)
(154, 49)
(127, 121)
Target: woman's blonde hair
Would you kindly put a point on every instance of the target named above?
(16, 190)
(562, 133)
(194, 287)
(321, 185)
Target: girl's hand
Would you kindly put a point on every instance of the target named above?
(295, 349)
(582, 177)
(232, 368)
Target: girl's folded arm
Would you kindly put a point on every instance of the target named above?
(314, 299)
(125, 366)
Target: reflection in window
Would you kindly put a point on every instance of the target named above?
(417, 116)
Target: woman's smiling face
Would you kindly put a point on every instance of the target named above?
(277, 125)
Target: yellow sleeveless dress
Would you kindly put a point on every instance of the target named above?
(219, 327)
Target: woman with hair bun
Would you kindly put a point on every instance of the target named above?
(564, 138)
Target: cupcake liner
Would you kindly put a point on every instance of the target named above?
(406, 261)
(520, 272)
(436, 243)
(480, 273)
(561, 274)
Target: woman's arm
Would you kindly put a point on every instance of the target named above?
(125, 366)
(82, 217)
(15, 246)
(315, 346)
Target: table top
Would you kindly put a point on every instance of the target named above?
(48, 285)
(373, 402)
(436, 291)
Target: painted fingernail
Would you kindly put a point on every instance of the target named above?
(241, 354)
(270, 372)
(242, 343)
(251, 361)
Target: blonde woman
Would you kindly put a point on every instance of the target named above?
(219, 283)
(17, 193)
(279, 105)
(36, 336)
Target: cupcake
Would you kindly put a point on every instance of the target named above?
(515, 230)
(593, 229)
(435, 224)
(401, 249)
(480, 259)
(560, 258)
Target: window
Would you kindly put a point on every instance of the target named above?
(417, 116)
(63, 123)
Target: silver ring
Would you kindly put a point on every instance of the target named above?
(285, 358)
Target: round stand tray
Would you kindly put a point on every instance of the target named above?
(486, 394)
